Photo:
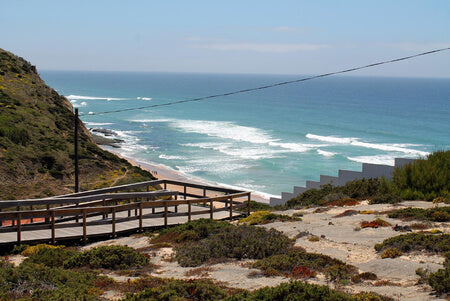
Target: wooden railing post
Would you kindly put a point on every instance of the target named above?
(176, 206)
(53, 227)
(19, 224)
(84, 227)
(113, 222)
(248, 205)
(141, 208)
(165, 213)
(31, 217)
(189, 210)
(231, 208)
(185, 192)
(211, 209)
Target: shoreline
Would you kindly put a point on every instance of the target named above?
(161, 171)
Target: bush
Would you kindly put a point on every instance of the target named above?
(295, 290)
(391, 253)
(417, 242)
(285, 264)
(385, 198)
(38, 282)
(191, 231)
(438, 214)
(29, 250)
(264, 217)
(378, 222)
(356, 189)
(234, 242)
(108, 257)
(364, 276)
(200, 289)
(425, 178)
(440, 280)
(51, 257)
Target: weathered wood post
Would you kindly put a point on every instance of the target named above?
(141, 208)
(231, 207)
(19, 224)
(53, 227)
(211, 209)
(189, 210)
(84, 227)
(165, 213)
(113, 222)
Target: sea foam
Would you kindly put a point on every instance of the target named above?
(378, 146)
(78, 97)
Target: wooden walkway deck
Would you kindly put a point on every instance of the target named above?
(110, 212)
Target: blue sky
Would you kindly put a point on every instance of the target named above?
(274, 37)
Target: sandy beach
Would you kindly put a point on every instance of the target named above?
(161, 171)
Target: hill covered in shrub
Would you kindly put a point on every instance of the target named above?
(36, 140)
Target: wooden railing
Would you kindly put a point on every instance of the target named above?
(78, 209)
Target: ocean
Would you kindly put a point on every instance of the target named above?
(266, 140)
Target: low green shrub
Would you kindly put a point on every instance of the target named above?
(391, 253)
(385, 198)
(200, 289)
(417, 242)
(440, 280)
(51, 257)
(284, 264)
(437, 214)
(108, 257)
(233, 242)
(295, 290)
(38, 282)
(191, 231)
(264, 217)
(364, 276)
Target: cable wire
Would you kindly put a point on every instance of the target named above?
(271, 85)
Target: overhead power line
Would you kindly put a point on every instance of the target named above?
(271, 85)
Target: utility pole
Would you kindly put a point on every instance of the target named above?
(76, 149)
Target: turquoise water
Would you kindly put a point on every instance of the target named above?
(267, 140)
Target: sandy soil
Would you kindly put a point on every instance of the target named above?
(339, 237)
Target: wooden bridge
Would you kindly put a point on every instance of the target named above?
(116, 210)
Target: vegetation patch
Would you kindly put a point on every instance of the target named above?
(237, 242)
(199, 289)
(417, 242)
(378, 222)
(427, 178)
(391, 253)
(108, 257)
(38, 282)
(437, 214)
(265, 217)
(297, 260)
(440, 280)
(191, 231)
(51, 257)
(364, 276)
(347, 213)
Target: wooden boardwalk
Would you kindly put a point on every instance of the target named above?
(110, 212)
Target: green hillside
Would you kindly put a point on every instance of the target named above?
(36, 140)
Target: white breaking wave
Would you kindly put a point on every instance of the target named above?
(144, 98)
(167, 157)
(96, 123)
(151, 120)
(380, 159)
(378, 146)
(75, 97)
(325, 153)
(224, 130)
